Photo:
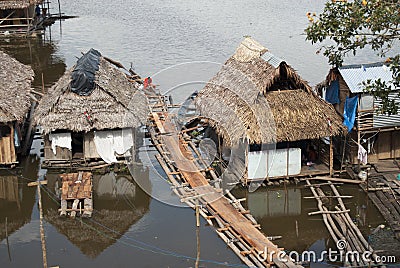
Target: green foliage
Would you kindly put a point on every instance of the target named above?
(345, 27)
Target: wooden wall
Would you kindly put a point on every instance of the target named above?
(89, 147)
(386, 146)
(344, 92)
(61, 153)
(7, 149)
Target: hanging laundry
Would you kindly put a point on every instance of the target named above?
(350, 108)
(332, 92)
(109, 144)
(362, 155)
(62, 140)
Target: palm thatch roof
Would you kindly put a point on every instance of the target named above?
(115, 102)
(15, 86)
(18, 4)
(93, 236)
(258, 96)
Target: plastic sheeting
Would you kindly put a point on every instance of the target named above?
(332, 92)
(110, 143)
(350, 108)
(274, 163)
(63, 140)
(83, 75)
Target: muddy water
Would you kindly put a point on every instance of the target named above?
(129, 228)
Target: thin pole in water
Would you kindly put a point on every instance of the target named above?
(42, 237)
(8, 244)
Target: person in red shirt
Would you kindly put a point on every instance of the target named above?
(148, 82)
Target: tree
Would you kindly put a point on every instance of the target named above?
(345, 27)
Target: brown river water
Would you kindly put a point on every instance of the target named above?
(181, 44)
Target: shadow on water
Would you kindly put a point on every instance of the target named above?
(40, 54)
(118, 204)
(283, 211)
(16, 201)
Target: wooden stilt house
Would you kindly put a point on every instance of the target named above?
(372, 132)
(21, 16)
(15, 102)
(257, 100)
(89, 115)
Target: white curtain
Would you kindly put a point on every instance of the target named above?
(62, 140)
(112, 143)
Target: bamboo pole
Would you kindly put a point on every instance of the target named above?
(198, 247)
(42, 235)
(8, 244)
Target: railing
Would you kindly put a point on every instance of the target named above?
(365, 119)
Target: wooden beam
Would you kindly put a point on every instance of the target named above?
(334, 179)
(330, 156)
(36, 183)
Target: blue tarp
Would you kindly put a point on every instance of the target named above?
(332, 92)
(350, 108)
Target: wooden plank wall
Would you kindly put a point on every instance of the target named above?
(89, 147)
(7, 149)
(61, 153)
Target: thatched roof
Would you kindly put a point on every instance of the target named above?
(15, 85)
(115, 102)
(17, 4)
(253, 89)
(299, 115)
(95, 235)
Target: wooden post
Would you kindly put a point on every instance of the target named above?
(8, 244)
(358, 134)
(246, 159)
(198, 248)
(197, 213)
(330, 156)
(287, 161)
(42, 237)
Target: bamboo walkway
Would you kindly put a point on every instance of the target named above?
(344, 232)
(383, 189)
(198, 186)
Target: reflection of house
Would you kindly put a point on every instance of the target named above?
(89, 113)
(284, 212)
(259, 98)
(378, 133)
(16, 202)
(20, 16)
(15, 102)
(275, 203)
(118, 204)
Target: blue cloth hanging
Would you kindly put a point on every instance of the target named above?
(350, 108)
(332, 92)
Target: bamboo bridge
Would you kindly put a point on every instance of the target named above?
(198, 186)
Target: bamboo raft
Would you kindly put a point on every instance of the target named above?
(384, 191)
(344, 232)
(199, 187)
(76, 190)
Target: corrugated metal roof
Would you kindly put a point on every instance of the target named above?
(355, 75)
(272, 59)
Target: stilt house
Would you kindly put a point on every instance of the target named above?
(259, 101)
(15, 102)
(20, 16)
(88, 117)
(376, 132)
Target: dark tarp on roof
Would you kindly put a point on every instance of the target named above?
(83, 75)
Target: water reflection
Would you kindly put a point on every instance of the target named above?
(283, 211)
(118, 204)
(42, 55)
